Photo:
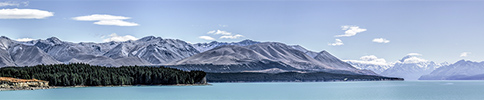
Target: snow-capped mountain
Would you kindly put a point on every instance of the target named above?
(263, 56)
(202, 47)
(66, 51)
(371, 62)
(410, 67)
(145, 51)
(14, 53)
(461, 70)
(246, 55)
(154, 50)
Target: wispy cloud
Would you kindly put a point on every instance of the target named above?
(350, 30)
(13, 3)
(103, 19)
(381, 40)
(115, 22)
(117, 38)
(24, 14)
(24, 39)
(207, 38)
(231, 36)
(225, 34)
(337, 42)
(414, 54)
(464, 54)
(219, 32)
(414, 60)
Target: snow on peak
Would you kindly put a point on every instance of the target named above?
(149, 38)
(248, 41)
(54, 40)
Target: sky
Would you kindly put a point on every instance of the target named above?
(440, 31)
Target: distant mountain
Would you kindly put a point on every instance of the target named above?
(371, 62)
(461, 70)
(263, 56)
(14, 53)
(375, 67)
(410, 67)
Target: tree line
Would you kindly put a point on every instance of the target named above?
(290, 77)
(79, 74)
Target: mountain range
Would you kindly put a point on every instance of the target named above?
(246, 55)
(461, 70)
(412, 67)
(243, 56)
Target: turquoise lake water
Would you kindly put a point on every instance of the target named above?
(375, 90)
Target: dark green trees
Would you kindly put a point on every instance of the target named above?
(88, 75)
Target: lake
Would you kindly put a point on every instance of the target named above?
(371, 90)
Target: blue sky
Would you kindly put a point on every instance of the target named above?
(438, 30)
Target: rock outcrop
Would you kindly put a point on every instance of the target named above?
(9, 83)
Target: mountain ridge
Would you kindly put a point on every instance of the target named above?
(246, 55)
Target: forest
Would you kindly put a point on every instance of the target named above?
(78, 74)
(291, 77)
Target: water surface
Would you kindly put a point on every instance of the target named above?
(394, 90)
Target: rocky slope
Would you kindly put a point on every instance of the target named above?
(264, 56)
(146, 51)
(8, 83)
(14, 53)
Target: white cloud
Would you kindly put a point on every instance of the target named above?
(464, 54)
(24, 14)
(231, 36)
(206, 38)
(337, 42)
(381, 40)
(414, 54)
(350, 31)
(414, 60)
(13, 3)
(219, 32)
(103, 19)
(2, 4)
(99, 17)
(225, 34)
(24, 39)
(371, 59)
(115, 22)
(117, 38)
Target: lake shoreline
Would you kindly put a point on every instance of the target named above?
(54, 87)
